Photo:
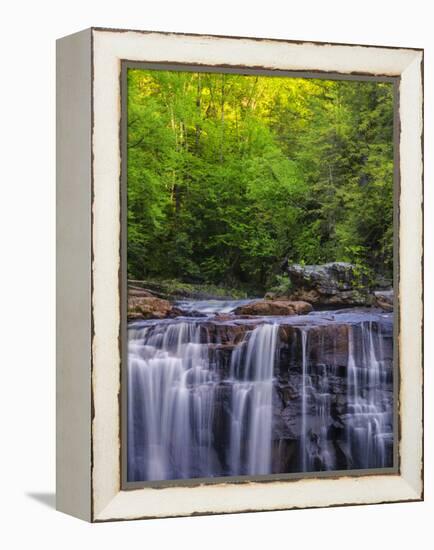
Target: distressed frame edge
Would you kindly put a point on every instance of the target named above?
(73, 275)
(411, 491)
(411, 155)
(254, 38)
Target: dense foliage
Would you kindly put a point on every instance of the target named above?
(229, 175)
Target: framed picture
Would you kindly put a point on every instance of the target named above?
(239, 267)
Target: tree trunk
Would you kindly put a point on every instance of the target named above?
(222, 117)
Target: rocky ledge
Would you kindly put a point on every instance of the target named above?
(328, 286)
(142, 304)
(383, 299)
(274, 307)
(334, 285)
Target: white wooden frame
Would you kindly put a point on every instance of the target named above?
(88, 298)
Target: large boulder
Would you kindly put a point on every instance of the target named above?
(332, 284)
(326, 278)
(274, 307)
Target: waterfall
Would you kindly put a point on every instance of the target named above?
(252, 368)
(210, 397)
(316, 453)
(304, 382)
(369, 419)
(171, 404)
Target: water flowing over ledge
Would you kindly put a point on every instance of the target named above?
(226, 395)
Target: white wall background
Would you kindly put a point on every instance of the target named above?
(27, 384)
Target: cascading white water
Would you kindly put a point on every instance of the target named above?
(323, 409)
(209, 307)
(200, 407)
(304, 382)
(171, 403)
(252, 368)
(369, 418)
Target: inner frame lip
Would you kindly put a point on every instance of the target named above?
(125, 65)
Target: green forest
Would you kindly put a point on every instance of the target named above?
(231, 175)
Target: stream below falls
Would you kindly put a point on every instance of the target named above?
(225, 395)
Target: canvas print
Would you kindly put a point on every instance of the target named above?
(260, 275)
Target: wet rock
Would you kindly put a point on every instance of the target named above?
(223, 317)
(383, 299)
(288, 334)
(220, 357)
(188, 313)
(175, 312)
(344, 298)
(328, 345)
(274, 307)
(287, 392)
(224, 334)
(284, 455)
(145, 307)
(246, 316)
(134, 316)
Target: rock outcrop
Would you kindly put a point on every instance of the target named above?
(332, 284)
(148, 307)
(274, 307)
(336, 284)
(327, 278)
